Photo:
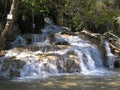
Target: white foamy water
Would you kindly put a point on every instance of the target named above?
(39, 64)
(110, 56)
(88, 55)
(38, 69)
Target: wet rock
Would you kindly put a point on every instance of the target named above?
(2, 53)
(33, 48)
(49, 57)
(6, 65)
(18, 64)
(62, 43)
(28, 41)
(12, 57)
(51, 37)
(61, 47)
(28, 38)
(49, 67)
(71, 66)
(110, 36)
(73, 57)
(40, 56)
(68, 63)
(117, 64)
(117, 43)
(68, 66)
(47, 48)
(14, 73)
(12, 64)
(65, 63)
(19, 49)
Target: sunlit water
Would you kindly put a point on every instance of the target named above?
(66, 82)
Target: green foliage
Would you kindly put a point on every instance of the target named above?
(117, 3)
(94, 15)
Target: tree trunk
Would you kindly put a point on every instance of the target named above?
(9, 22)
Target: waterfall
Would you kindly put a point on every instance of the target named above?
(36, 38)
(19, 41)
(38, 69)
(88, 55)
(110, 56)
(71, 54)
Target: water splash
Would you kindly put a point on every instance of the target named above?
(110, 56)
(36, 68)
(88, 55)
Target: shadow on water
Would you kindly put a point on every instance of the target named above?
(66, 82)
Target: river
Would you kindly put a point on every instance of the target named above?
(50, 58)
(66, 82)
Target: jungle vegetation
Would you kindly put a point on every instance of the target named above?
(98, 16)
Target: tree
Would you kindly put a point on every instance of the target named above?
(9, 22)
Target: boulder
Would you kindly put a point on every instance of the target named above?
(65, 63)
(12, 64)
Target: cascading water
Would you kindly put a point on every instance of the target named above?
(63, 54)
(88, 55)
(19, 41)
(110, 56)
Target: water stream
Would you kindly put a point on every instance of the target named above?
(110, 56)
(66, 82)
(50, 54)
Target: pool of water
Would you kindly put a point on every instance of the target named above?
(66, 82)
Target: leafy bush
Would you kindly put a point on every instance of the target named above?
(96, 16)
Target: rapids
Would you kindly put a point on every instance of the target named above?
(52, 53)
